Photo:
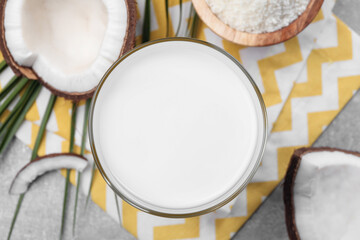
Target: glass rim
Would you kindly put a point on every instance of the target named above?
(196, 213)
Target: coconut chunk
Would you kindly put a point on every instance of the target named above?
(68, 45)
(45, 164)
(321, 194)
(61, 40)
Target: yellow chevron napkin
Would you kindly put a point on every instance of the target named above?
(305, 82)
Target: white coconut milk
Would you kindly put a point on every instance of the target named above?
(177, 125)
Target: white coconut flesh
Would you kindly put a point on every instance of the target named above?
(37, 168)
(68, 43)
(327, 197)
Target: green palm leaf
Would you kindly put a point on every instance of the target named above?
(34, 155)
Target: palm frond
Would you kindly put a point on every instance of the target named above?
(67, 180)
(147, 22)
(38, 140)
(82, 151)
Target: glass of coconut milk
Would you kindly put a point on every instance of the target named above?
(177, 127)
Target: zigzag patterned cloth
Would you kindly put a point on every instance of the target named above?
(305, 82)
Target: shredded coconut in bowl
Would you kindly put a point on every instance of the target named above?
(257, 16)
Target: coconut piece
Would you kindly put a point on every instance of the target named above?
(67, 45)
(44, 164)
(321, 194)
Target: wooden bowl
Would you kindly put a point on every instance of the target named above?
(256, 39)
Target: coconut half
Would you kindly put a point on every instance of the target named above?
(44, 164)
(67, 45)
(321, 194)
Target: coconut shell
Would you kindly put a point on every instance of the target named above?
(129, 43)
(52, 155)
(289, 185)
(56, 155)
(43, 157)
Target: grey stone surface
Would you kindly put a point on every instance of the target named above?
(348, 11)
(40, 214)
(269, 221)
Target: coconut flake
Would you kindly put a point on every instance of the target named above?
(70, 43)
(326, 198)
(257, 16)
(45, 164)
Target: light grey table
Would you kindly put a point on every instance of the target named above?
(41, 211)
(40, 214)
